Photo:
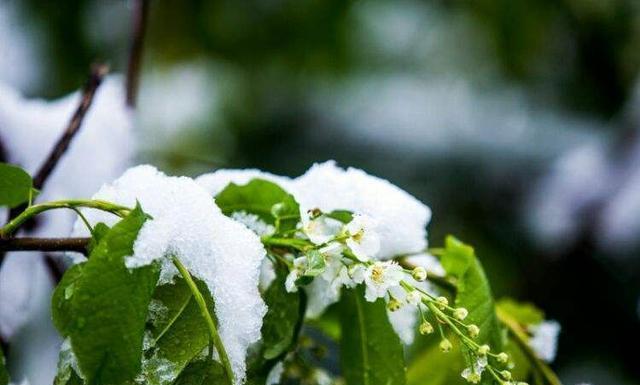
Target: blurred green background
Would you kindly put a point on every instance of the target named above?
(493, 112)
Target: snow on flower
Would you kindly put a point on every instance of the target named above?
(544, 340)
(220, 251)
(363, 239)
(401, 219)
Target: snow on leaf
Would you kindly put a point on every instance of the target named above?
(223, 253)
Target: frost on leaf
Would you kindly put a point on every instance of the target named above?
(223, 253)
(401, 219)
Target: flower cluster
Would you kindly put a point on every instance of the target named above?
(348, 250)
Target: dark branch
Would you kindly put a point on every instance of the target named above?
(140, 14)
(97, 74)
(44, 244)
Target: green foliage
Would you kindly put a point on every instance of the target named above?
(265, 199)
(370, 351)
(178, 330)
(16, 186)
(473, 291)
(523, 313)
(4, 375)
(202, 372)
(315, 263)
(343, 216)
(280, 328)
(432, 367)
(280, 324)
(101, 305)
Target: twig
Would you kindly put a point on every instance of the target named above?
(140, 15)
(98, 72)
(44, 244)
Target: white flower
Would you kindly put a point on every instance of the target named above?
(363, 240)
(544, 341)
(381, 277)
(299, 266)
(322, 229)
(414, 297)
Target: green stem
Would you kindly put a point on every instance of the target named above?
(34, 210)
(213, 331)
(293, 243)
(521, 339)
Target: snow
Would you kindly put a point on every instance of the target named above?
(28, 130)
(428, 261)
(401, 218)
(225, 254)
(275, 374)
(544, 341)
(216, 181)
(403, 321)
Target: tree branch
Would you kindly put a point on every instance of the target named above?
(141, 11)
(44, 244)
(98, 72)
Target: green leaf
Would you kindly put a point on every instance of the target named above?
(432, 367)
(16, 186)
(202, 372)
(370, 351)
(315, 263)
(101, 305)
(265, 199)
(99, 231)
(180, 332)
(343, 216)
(473, 292)
(280, 328)
(283, 315)
(524, 313)
(4, 374)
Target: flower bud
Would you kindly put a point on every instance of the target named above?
(460, 313)
(506, 374)
(474, 330)
(445, 346)
(419, 273)
(442, 302)
(426, 328)
(474, 378)
(483, 350)
(393, 304)
(503, 358)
